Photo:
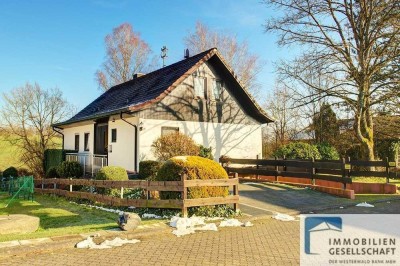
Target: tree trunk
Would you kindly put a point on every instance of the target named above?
(364, 126)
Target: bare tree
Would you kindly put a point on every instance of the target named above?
(244, 64)
(288, 122)
(353, 42)
(126, 54)
(27, 116)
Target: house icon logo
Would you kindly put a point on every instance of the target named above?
(319, 224)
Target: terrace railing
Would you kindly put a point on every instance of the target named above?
(91, 163)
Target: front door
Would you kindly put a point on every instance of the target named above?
(101, 139)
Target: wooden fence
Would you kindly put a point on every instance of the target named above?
(330, 170)
(174, 186)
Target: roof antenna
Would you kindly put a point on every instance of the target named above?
(186, 53)
(164, 55)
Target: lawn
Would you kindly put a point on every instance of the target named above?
(57, 217)
(8, 155)
(376, 180)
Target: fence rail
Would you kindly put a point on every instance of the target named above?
(174, 186)
(330, 170)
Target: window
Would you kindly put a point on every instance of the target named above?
(168, 130)
(217, 90)
(77, 142)
(114, 135)
(199, 86)
(86, 144)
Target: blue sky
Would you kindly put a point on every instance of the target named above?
(61, 43)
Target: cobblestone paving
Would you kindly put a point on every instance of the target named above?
(268, 242)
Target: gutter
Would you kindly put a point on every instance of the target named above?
(136, 139)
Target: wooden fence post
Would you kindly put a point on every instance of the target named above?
(70, 185)
(257, 167)
(313, 171)
(184, 196)
(122, 192)
(387, 171)
(276, 170)
(54, 185)
(236, 192)
(148, 194)
(42, 184)
(284, 163)
(344, 171)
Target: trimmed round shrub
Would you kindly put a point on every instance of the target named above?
(194, 167)
(70, 169)
(111, 173)
(52, 173)
(10, 172)
(174, 144)
(148, 169)
(327, 152)
(298, 150)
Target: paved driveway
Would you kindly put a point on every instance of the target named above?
(269, 198)
(268, 242)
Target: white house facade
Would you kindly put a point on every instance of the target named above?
(198, 96)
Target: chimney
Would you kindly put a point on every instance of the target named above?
(186, 54)
(137, 75)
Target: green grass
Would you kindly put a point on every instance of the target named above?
(9, 155)
(58, 217)
(376, 180)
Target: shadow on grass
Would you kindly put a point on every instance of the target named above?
(58, 213)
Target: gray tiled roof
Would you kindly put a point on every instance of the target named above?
(137, 91)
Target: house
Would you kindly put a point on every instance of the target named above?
(198, 96)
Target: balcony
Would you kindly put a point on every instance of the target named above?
(91, 163)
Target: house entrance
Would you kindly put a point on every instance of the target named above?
(101, 139)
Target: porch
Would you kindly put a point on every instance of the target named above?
(91, 163)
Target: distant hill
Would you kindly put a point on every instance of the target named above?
(9, 155)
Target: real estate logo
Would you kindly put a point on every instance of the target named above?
(319, 224)
(350, 239)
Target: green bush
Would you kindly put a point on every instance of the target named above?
(70, 169)
(194, 167)
(354, 152)
(111, 173)
(52, 173)
(10, 172)
(327, 152)
(206, 152)
(148, 169)
(298, 150)
(387, 148)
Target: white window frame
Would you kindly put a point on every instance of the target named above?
(199, 87)
(217, 93)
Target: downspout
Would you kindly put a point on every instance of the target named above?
(136, 139)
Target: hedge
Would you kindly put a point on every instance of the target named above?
(70, 169)
(54, 157)
(111, 173)
(148, 169)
